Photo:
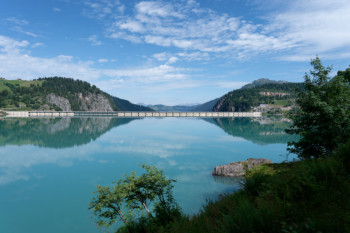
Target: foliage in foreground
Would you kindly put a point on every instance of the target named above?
(323, 120)
(136, 200)
(303, 196)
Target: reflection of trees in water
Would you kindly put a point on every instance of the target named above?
(69, 132)
(257, 130)
(56, 132)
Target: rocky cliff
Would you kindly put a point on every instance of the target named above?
(94, 102)
(91, 102)
(59, 101)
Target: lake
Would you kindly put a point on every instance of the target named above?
(49, 167)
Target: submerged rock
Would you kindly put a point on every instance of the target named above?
(238, 168)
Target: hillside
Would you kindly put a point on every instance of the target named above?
(206, 107)
(262, 94)
(59, 94)
(125, 105)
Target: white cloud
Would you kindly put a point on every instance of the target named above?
(17, 21)
(132, 26)
(18, 25)
(316, 26)
(185, 26)
(21, 30)
(10, 46)
(125, 36)
(17, 62)
(56, 9)
(161, 56)
(38, 44)
(194, 56)
(102, 8)
(102, 60)
(157, 9)
(94, 41)
(172, 60)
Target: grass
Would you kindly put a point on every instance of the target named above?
(281, 103)
(21, 83)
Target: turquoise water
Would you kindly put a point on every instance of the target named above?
(49, 168)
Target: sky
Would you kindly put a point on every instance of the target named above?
(171, 51)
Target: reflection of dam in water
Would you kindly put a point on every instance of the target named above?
(131, 114)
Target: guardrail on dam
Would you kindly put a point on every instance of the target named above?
(130, 114)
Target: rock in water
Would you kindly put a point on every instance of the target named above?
(238, 168)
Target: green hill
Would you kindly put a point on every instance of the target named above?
(125, 105)
(57, 93)
(276, 93)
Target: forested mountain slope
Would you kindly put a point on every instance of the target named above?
(59, 94)
(252, 95)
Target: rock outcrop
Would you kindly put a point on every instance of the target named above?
(90, 102)
(59, 101)
(95, 103)
(238, 168)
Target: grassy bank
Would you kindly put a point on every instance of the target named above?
(303, 196)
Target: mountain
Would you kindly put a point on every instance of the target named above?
(262, 94)
(206, 107)
(125, 105)
(60, 94)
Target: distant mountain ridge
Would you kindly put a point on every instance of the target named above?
(206, 107)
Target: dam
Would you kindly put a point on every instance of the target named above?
(129, 114)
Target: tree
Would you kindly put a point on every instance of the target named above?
(133, 197)
(323, 119)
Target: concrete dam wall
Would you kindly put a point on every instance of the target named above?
(130, 114)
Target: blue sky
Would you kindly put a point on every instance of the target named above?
(175, 51)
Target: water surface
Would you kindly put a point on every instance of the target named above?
(49, 167)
